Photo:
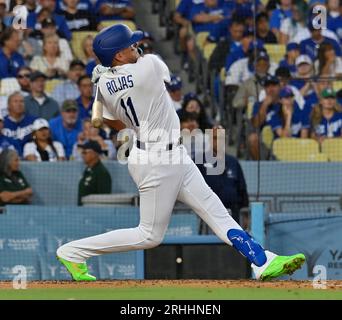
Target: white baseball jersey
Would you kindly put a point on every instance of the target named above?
(136, 95)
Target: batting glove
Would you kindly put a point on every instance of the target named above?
(97, 72)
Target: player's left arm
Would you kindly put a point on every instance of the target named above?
(114, 124)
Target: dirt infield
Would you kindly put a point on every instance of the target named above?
(286, 284)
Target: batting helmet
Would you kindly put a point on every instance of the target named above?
(113, 39)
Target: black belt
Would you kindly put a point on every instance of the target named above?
(142, 145)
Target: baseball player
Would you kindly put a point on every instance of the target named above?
(132, 90)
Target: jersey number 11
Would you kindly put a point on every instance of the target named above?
(131, 107)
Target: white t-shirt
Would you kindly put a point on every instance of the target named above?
(30, 148)
(136, 95)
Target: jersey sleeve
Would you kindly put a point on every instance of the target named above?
(160, 67)
(106, 113)
(59, 148)
(29, 149)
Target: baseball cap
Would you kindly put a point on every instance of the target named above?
(292, 46)
(175, 83)
(48, 22)
(37, 74)
(91, 145)
(147, 36)
(262, 55)
(286, 92)
(328, 93)
(76, 62)
(69, 105)
(39, 124)
(269, 79)
(303, 59)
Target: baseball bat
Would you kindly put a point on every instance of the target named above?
(97, 109)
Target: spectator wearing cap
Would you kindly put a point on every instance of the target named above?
(18, 123)
(192, 104)
(263, 31)
(78, 19)
(10, 59)
(289, 61)
(146, 43)
(68, 89)
(262, 114)
(38, 103)
(42, 148)
(23, 78)
(14, 188)
(5, 142)
(86, 99)
(117, 10)
(311, 45)
(50, 62)
(89, 133)
(96, 178)
(174, 87)
(66, 127)
(326, 117)
(279, 14)
(290, 121)
(305, 71)
(327, 62)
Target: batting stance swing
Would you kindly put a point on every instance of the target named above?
(133, 95)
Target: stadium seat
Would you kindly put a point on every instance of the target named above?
(8, 86)
(201, 37)
(52, 269)
(337, 85)
(76, 42)
(267, 136)
(208, 50)
(128, 23)
(276, 51)
(121, 265)
(292, 149)
(51, 84)
(11, 265)
(333, 149)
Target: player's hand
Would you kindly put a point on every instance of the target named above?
(97, 72)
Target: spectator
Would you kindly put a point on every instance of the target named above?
(311, 45)
(66, 127)
(117, 10)
(68, 89)
(89, 133)
(96, 178)
(50, 62)
(327, 62)
(85, 5)
(10, 59)
(86, 99)
(262, 113)
(23, 78)
(3, 12)
(230, 186)
(305, 71)
(146, 44)
(14, 188)
(38, 103)
(87, 48)
(334, 21)
(78, 19)
(292, 53)
(174, 87)
(263, 31)
(18, 124)
(290, 121)
(5, 142)
(279, 14)
(193, 104)
(326, 117)
(42, 148)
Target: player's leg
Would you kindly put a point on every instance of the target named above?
(196, 193)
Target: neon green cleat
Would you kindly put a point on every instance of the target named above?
(78, 271)
(282, 265)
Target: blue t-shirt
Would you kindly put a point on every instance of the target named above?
(202, 8)
(185, 6)
(85, 5)
(298, 83)
(219, 32)
(83, 112)
(277, 16)
(335, 24)
(6, 143)
(19, 132)
(271, 111)
(116, 4)
(65, 136)
(299, 121)
(330, 128)
(292, 67)
(311, 101)
(309, 47)
(9, 66)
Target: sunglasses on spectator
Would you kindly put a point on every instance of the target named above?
(25, 75)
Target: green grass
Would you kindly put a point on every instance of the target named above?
(159, 293)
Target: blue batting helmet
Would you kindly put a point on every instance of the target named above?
(113, 39)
